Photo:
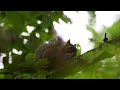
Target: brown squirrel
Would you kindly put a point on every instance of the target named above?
(57, 52)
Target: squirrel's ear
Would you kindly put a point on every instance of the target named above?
(68, 42)
(75, 45)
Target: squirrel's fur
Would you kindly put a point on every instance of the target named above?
(57, 52)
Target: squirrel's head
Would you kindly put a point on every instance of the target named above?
(70, 49)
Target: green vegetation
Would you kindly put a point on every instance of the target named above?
(101, 62)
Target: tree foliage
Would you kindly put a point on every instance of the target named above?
(13, 25)
(101, 62)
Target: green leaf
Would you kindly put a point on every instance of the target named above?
(42, 62)
(66, 19)
(56, 15)
(78, 50)
(14, 19)
(114, 30)
(29, 58)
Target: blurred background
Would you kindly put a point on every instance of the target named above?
(27, 30)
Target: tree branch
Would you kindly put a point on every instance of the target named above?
(107, 49)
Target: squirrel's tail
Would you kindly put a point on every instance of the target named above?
(56, 40)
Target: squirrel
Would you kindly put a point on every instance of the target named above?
(57, 52)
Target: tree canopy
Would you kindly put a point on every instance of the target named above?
(100, 62)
